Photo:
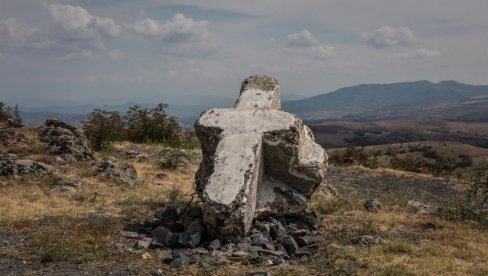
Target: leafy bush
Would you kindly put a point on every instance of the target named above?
(104, 127)
(139, 125)
(173, 159)
(152, 125)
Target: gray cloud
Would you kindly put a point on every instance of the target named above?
(388, 36)
(301, 39)
(177, 29)
(305, 44)
(419, 53)
(80, 22)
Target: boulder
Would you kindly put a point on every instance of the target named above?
(116, 171)
(11, 166)
(257, 161)
(65, 141)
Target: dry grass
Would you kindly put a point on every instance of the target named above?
(82, 228)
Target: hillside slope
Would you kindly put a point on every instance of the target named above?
(420, 98)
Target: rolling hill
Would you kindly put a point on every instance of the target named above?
(420, 99)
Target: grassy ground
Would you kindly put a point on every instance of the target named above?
(47, 232)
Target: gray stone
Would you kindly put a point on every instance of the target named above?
(273, 252)
(66, 141)
(276, 229)
(200, 251)
(259, 239)
(305, 251)
(11, 166)
(180, 262)
(219, 260)
(118, 172)
(257, 160)
(372, 205)
(260, 273)
(268, 246)
(129, 234)
(240, 254)
(370, 240)
(214, 245)
(143, 243)
(290, 244)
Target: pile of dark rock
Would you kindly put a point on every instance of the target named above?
(67, 143)
(11, 165)
(272, 241)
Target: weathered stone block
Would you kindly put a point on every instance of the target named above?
(257, 160)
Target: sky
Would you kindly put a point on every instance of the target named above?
(188, 51)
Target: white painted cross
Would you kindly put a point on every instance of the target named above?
(256, 159)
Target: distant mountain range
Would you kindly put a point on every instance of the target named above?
(421, 99)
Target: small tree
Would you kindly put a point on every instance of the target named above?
(152, 125)
(4, 112)
(16, 118)
(103, 127)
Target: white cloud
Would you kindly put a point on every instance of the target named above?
(15, 31)
(78, 55)
(301, 39)
(419, 53)
(388, 36)
(79, 21)
(116, 55)
(177, 29)
(2, 56)
(305, 44)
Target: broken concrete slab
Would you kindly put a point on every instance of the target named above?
(257, 160)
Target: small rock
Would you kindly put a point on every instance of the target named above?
(254, 248)
(259, 239)
(372, 205)
(268, 246)
(146, 256)
(144, 243)
(161, 176)
(129, 234)
(290, 244)
(419, 207)
(214, 245)
(260, 273)
(229, 247)
(273, 252)
(180, 262)
(240, 254)
(369, 240)
(305, 251)
(219, 260)
(200, 251)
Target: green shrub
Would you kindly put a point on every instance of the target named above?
(104, 127)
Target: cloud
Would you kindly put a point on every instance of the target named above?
(77, 20)
(419, 53)
(116, 55)
(388, 36)
(305, 44)
(16, 36)
(301, 39)
(177, 29)
(82, 54)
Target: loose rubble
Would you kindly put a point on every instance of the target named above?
(66, 142)
(118, 172)
(271, 241)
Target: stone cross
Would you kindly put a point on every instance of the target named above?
(257, 161)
